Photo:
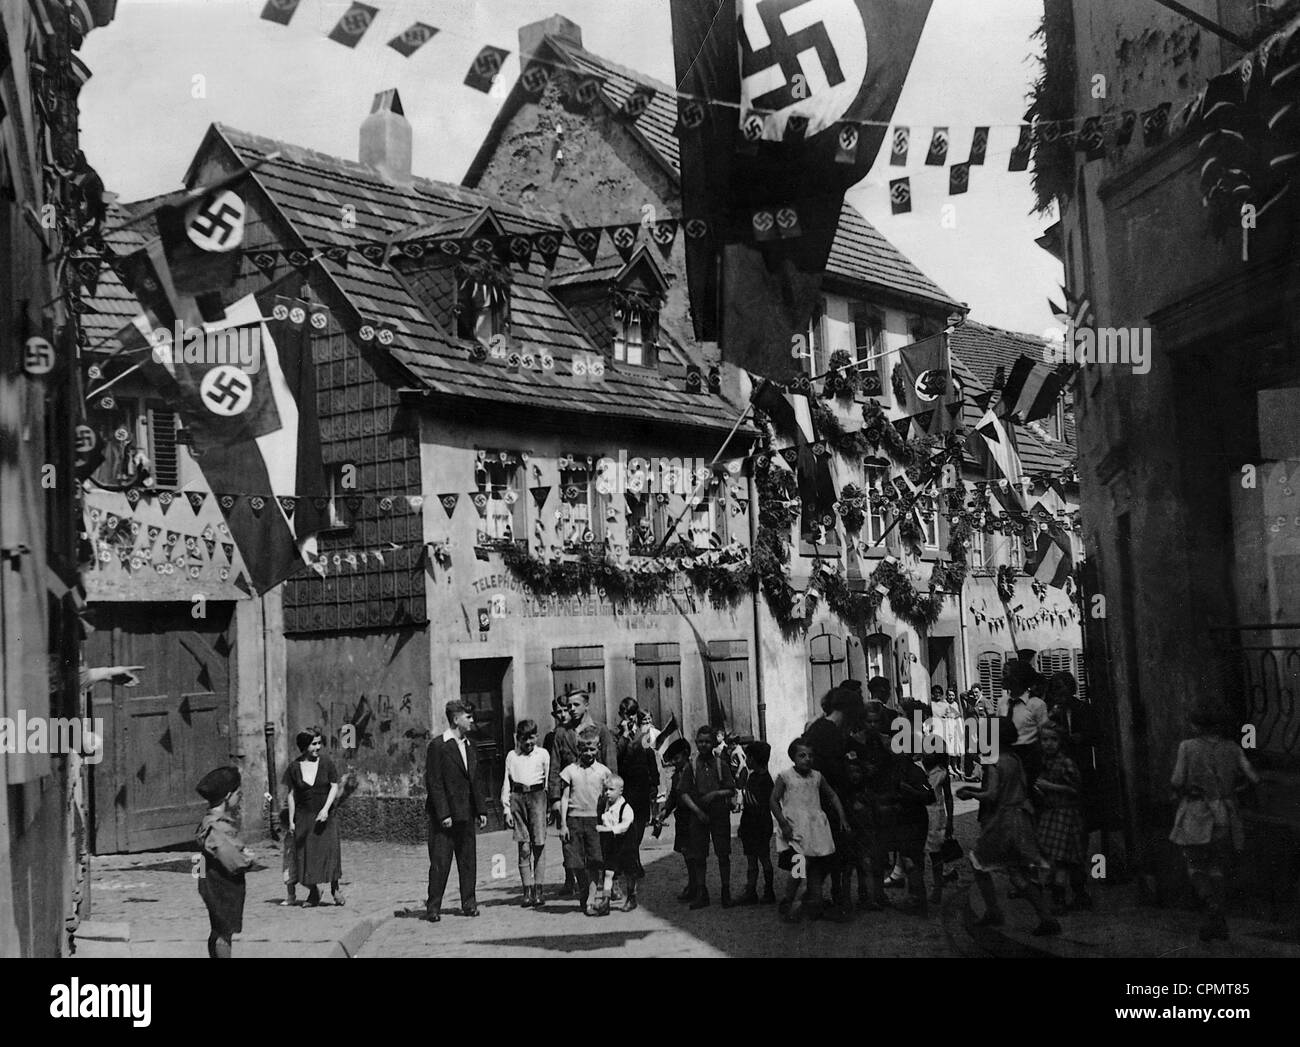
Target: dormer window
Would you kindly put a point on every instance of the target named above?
(636, 328)
(482, 303)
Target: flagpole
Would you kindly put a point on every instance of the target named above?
(114, 381)
(716, 458)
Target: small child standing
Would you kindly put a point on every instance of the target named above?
(616, 817)
(862, 847)
(523, 797)
(583, 782)
(756, 825)
(799, 802)
(676, 756)
(1060, 821)
(223, 860)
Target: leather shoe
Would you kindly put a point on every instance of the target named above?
(470, 911)
(432, 917)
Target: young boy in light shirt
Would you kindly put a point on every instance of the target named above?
(523, 798)
(583, 782)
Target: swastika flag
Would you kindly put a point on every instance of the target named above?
(809, 67)
(255, 429)
(353, 25)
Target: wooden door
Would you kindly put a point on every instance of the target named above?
(165, 734)
(482, 683)
(658, 681)
(582, 668)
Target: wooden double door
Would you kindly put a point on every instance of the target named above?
(166, 733)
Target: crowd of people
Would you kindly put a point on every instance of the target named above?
(867, 795)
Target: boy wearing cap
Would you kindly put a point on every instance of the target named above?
(222, 860)
(677, 756)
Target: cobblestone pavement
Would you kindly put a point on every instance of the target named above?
(156, 896)
(661, 926)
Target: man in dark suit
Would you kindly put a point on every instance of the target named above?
(454, 806)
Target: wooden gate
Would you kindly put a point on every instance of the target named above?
(165, 734)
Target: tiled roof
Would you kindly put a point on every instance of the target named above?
(112, 306)
(984, 348)
(309, 187)
(859, 253)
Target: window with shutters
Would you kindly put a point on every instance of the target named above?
(877, 518)
(728, 664)
(829, 664)
(581, 669)
(1055, 661)
(162, 448)
(658, 682)
(1081, 673)
(989, 668)
(879, 647)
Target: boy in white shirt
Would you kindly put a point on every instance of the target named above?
(523, 797)
(616, 819)
(583, 782)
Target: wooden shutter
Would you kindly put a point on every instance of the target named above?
(581, 668)
(659, 681)
(990, 673)
(729, 663)
(162, 447)
(1081, 673)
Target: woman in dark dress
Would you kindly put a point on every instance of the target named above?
(639, 768)
(314, 787)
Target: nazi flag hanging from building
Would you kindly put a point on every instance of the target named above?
(779, 80)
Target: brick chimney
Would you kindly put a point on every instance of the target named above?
(530, 36)
(386, 138)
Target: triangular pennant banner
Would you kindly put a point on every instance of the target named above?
(196, 498)
(449, 503)
(540, 494)
(623, 237)
(664, 233)
(587, 241)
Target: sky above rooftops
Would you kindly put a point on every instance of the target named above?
(142, 121)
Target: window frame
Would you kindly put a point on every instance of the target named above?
(470, 311)
(496, 494)
(594, 502)
(865, 314)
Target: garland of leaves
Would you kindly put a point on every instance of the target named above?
(725, 576)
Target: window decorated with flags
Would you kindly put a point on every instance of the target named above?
(1015, 551)
(877, 515)
(636, 328)
(708, 518)
(581, 515)
(498, 474)
(927, 511)
(482, 301)
(647, 521)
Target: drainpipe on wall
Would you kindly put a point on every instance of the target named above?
(757, 595)
(965, 643)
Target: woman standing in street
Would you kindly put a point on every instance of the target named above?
(314, 788)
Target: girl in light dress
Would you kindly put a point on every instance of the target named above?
(800, 800)
(954, 734)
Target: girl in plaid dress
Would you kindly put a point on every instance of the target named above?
(1060, 821)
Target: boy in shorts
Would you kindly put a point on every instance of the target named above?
(583, 783)
(706, 789)
(523, 798)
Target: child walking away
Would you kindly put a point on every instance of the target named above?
(1007, 838)
(1060, 821)
(583, 783)
(706, 790)
(677, 756)
(523, 797)
(756, 825)
(1207, 774)
(223, 860)
(616, 818)
(800, 798)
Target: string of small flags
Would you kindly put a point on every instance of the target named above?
(489, 60)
